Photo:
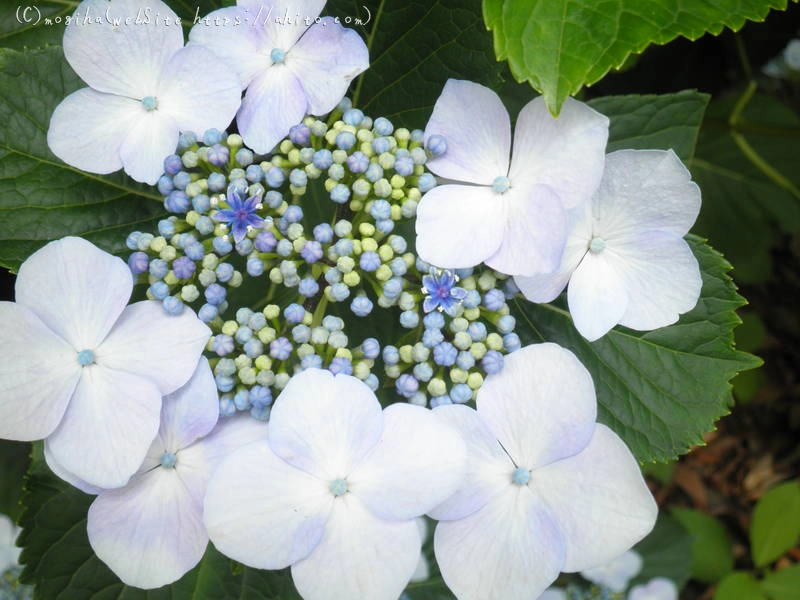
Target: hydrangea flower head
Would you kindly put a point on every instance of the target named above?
(88, 372)
(144, 89)
(544, 481)
(626, 260)
(241, 213)
(502, 209)
(441, 292)
(335, 490)
(289, 68)
(151, 532)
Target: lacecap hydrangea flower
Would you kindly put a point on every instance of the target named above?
(87, 373)
(290, 61)
(626, 260)
(547, 488)
(144, 89)
(504, 209)
(617, 573)
(151, 532)
(335, 489)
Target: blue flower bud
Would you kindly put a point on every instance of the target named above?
(385, 225)
(382, 126)
(173, 164)
(336, 172)
(391, 356)
(241, 400)
(381, 145)
(333, 276)
(301, 333)
(213, 136)
(440, 401)
(255, 267)
(159, 290)
(361, 306)
(344, 104)
(311, 361)
(253, 348)
(260, 396)
(433, 320)
(222, 344)
(510, 288)
(195, 251)
(398, 244)
(432, 337)
(323, 159)
(465, 360)
(341, 365)
(201, 203)
(423, 371)
(393, 288)
(218, 155)
(164, 185)
(254, 173)
(406, 385)
(323, 233)
(158, 268)
(183, 267)
(511, 342)
(344, 247)
(506, 324)
(398, 266)
(353, 117)
(300, 134)
(477, 331)
(409, 319)
(345, 140)
(226, 406)
(226, 366)
(216, 182)
(207, 313)
(417, 135)
(284, 247)
(275, 177)
(437, 145)
(492, 362)
(369, 261)
(181, 180)
(445, 354)
(265, 241)
(472, 299)
(426, 182)
(273, 198)
(280, 348)
(177, 202)
(374, 172)
(371, 348)
(494, 299)
(215, 294)
(294, 313)
(298, 178)
(357, 162)
(461, 393)
(308, 287)
(404, 166)
(381, 209)
(138, 263)
(244, 157)
(225, 383)
(186, 140)
(340, 193)
(224, 272)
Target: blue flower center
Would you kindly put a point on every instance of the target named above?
(338, 487)
(150, 102)
(501, 184)
(85, 358)
(277, 55)
(521, 476)
(597, 245)
(168, 460)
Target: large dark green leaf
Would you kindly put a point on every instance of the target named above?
(659, 390)
(41, 198)
(561, 45)
(415, 46)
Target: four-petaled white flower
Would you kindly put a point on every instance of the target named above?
(82, 369)
(659, 588)
(509, 214)
(151, 532)
(547, 489)
(616, 573)
(289, 68)
(144, 88)
(626, 260)
(9, 552)
(335, 489)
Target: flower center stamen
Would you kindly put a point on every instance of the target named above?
(597, 245)
(338, 487)
(277, 55)
(150, 103)
(85, 358)
(501, 184)
(168, 460)
(521, 476)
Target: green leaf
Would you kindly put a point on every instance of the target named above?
(59, 560)
(666, 552)
(561, 45)
(776, 523)
(414, 47)
(739, 586)
(41, 198)
(13, 464)
(665, 121)
(783, 584)
(746, 165)
(712, 552)
(659, 390)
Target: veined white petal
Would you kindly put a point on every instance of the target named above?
(70, 478)
(460, 226)
(599, 499)
(263, 512)
(419, 462)
(325, 424)
(76, 289)
(477, 130)
(150, 533)
(92, 144)
(148, 342)
(541, 407)
(325, 60)
(280, 23)
(108, 427)
(597, 295)
(153, 136)
(38, 375)
(511, 549)
(360, 556)
(566, 153)
(190, 412)
(119, 57)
